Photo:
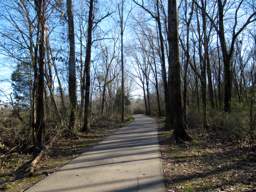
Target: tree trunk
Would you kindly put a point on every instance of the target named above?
(203, 72)
(34, 89)
(87, 67)
(174, 82)
(196, 80)
(185, 77)
(163, 66)
(148, 96)
(226, 60)
(219, 77)
(40, 121)
(206, 53)
(188, 21)
(72, 65)
(145, 98)
(103, 98)
(122, 59)
(104, 93)
(81, 74)
(156, 85)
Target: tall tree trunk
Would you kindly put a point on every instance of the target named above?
(145, 98)
(34, 90)
(226, 59)
(163, 65)
(72, 65)
(203, 72)
(148, 96)
(63, 107)
(40, 121)
(122, 59)
(156, 85)
(174, 82)
(196, 79)
(219, 75)
(81, 74)
(188, 21)
(206, 53)
(104, 92)
(103, 98)
(158, 99)
(87, 67)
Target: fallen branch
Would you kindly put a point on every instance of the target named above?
(42, 153)
(9, 152)
(28, 169)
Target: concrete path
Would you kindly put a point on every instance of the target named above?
(129, 160)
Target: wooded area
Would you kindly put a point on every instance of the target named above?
(76, 65)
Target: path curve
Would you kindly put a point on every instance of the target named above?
(127, 161)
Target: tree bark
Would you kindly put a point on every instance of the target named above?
(206, 53)
(40, 121)
(148, 95)
(72, 65)
(104, 89)
(163, 65)
(188, 21)
(203, 71)
(122, 58)
(226, 59)
(87, 67)
(154, 68)
(145, 98)
(174, 82)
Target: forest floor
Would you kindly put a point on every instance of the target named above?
(63, 150)
(207, 164)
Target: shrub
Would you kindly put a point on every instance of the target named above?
(194, 119)
(231, 126)
(138, 110)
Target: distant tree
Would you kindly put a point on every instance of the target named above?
(21, 84)
(157, 17)
(228, 37)
(118, 100)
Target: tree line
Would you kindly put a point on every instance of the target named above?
(204, 53)
(77, 60)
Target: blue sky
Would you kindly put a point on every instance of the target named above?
(110, 24)
(7, 65)
(6, 68)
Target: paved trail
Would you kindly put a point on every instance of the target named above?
(127, 161)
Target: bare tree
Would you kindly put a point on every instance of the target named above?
(157, 17)
(87, 71)
(72, 65)
(228, 50)
(40, 121)
(174, 82)
(121, 15)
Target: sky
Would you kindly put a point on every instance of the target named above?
(6, 68)
(110, 24)
(7, 65)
